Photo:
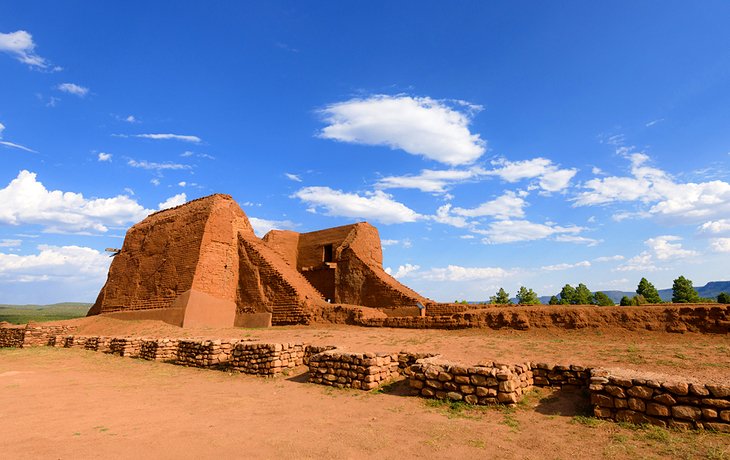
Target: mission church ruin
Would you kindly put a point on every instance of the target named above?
(201, 264)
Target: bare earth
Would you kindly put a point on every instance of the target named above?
(69, 403)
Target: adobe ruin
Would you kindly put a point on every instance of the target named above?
(201, 264)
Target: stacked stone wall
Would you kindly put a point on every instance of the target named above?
(484, 384)
(362, 371)
(559, 376)
(165, 349)
(125, 346)
(11, 336)
(641, 399)
(205, 353)
(30, 335)
(267, 359)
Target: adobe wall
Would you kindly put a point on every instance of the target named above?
(707, 318)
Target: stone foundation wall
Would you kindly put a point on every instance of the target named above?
(125, 346)
(204, 353)
(484, 384)
(362, 371)
(631, 397)
(266, 359)
(29, 335)
(159, 349)
(11, 337)
(556, 375)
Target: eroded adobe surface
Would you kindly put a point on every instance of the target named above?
(202, 264)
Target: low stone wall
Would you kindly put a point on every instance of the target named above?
(362, 371)
(11, 336)
(632, 397)
(125, 346)
(204, 353)
(159, 349)
(266, 359)
(557, 375)
(484, 384)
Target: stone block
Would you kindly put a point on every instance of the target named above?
(686, 412)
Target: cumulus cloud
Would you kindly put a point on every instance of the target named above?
(12, 144)
(418, 125)
(8, 243)
(27, 201)
(377, 206)
(661, 196)
(430, 181)
(716, 227)
(104, 156)
(62, 263)
(512, 231)
(565, 266)
(667, 247)
(20, 45)
(263, 226)
(175, 200)
(550, 178)
(459, 273)
(403, 270)
(507, 206)
(144, 164)
(443, 216)
(720, 244)
(72, 88)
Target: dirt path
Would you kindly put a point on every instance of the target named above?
(62, 403)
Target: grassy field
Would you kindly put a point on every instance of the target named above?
(21, 314)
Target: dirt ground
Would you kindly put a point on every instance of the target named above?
(704, 357)
(65, 403)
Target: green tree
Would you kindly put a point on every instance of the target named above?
(527, 296)
(649, 292)
(554, 301)
(723, 297)
(626, 301)
(683, 292)
(501, 298)
(601, 299)
(567, 294)
(583, 295)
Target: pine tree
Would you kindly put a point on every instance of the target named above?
(626, 301)
(501, 298)
(602, 300)
(527, 296)
(723, 297)
(683, 292)
(554, 301)
(567, 295)
(649, 292)
(583, 295)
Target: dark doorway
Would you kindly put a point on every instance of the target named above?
(327, 253)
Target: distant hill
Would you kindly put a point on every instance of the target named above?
(21, 314)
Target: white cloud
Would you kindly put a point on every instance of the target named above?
(27, 201)
(104, 156)
(67, 263)
(144, 164)
(458, 273)
(512, 231)
(377, 206)
(577, 240)
(389, 242)
(182, 184)
(662, 196)
(643, 262)
(443, 216)
(12, 144)
(430, 181)
(417, 125)
(6, 243)
(717, 227)
(178, 137)
(131, 119)
(72, 88)
(549, 176)
(173, 201)
(403, 271)
(507, 206)
(155, 182)
(720, 244)
(20, 45)
(293, 177)
(654, 122)
(263, 226)
(565, 266)
(609, 258)
(664, 248)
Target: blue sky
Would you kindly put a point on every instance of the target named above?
(492, 143)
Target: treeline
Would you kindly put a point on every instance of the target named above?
(646, 293)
